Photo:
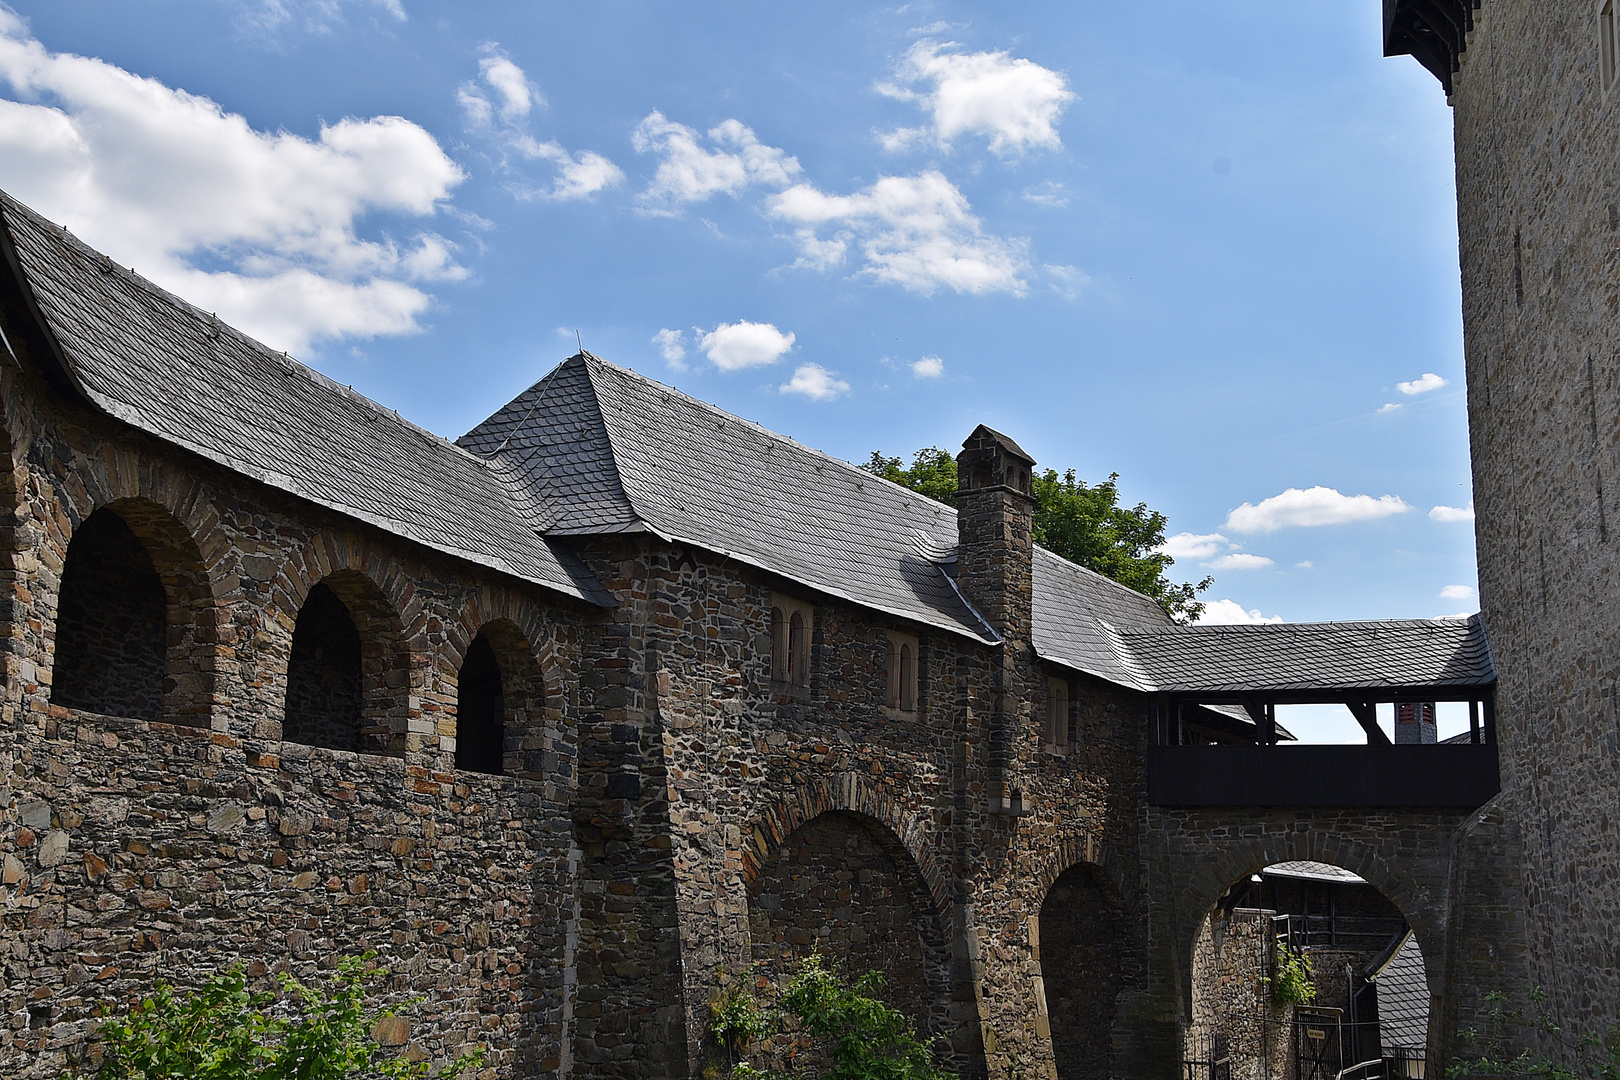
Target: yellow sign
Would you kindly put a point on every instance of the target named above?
(1315, 1033)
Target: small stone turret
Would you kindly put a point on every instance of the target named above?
(995, 515)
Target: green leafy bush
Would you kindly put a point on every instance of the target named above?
(1498, 1050)
(225, 1031)
(862, 1038)
(1292, 982)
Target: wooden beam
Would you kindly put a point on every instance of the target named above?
(1366, 714)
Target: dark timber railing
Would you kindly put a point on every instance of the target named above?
(1455, 775)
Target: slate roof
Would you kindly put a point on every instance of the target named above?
(610, 450)
(173, 371)
(1308, 656)
(1403, 998)
(1304, 870)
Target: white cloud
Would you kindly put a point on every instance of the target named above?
(1390, 406)
(672, 347)
(688, 172)
(917, 232)
(1457, 592)
(1232, 613)
(1311, 506)
(316, 16)
(170, 183)
(517, 97)
(1046, 193)
(1066, 280)
(507, 96)
(1429, 381)
(1452, 513)
(1192, 545)
(742, 344)
(929, 367)
(1016, 104)
(579, 175)
(1240, 560)
(815, 382)
(1305, 565)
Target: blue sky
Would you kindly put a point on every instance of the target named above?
(1216, 255)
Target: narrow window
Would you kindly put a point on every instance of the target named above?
(480, 711)
(779, 650)
(1056, 736)
(892, 700)
(798, 652)
(1606, 43)
(908, 678)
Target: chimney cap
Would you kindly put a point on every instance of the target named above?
(982, 433)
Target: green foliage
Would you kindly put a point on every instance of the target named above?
(863, 1038)
(1082, 522)
(1497, 1051)
(224, 1031)
(1292, 983)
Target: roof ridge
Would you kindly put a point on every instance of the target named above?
(1276, 627)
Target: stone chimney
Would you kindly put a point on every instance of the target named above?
(995, 514)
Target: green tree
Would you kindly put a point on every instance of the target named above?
(858, 1037)
(224, 1031)
(1084, 523)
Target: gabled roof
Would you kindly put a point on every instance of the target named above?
(1305, 870)
(1074, 609)
(161, 365)
(1387, 654)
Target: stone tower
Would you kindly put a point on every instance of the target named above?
(995, 518)
(1536, 110)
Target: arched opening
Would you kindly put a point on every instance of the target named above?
(480, 711)
(500, 709)
(348, 673)
(134, 626)
(1080, 932)
(1305, 970)
(843, 884)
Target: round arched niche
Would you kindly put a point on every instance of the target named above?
(136, 623)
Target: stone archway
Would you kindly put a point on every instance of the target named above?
(843, 884)
(1082, 939)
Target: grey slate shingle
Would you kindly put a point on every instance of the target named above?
(1403, 998)
(1308, 656)
(159, 364)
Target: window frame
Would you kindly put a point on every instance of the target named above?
(1608, 45)
(902, 686)
(790, 657)
(1057, 724)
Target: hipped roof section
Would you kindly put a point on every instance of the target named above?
(155, 362)
(608, 450)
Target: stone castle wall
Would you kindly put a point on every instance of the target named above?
(1538, 185)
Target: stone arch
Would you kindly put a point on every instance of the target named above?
(1413, 880)
(502, 707)
(844, 884)
(137, 622)
(349, 668)
(853, 793)
(1082, 943)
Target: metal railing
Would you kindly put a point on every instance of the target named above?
(1336, 931)
(1206, 1058)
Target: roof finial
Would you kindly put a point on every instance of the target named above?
(580, 340)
